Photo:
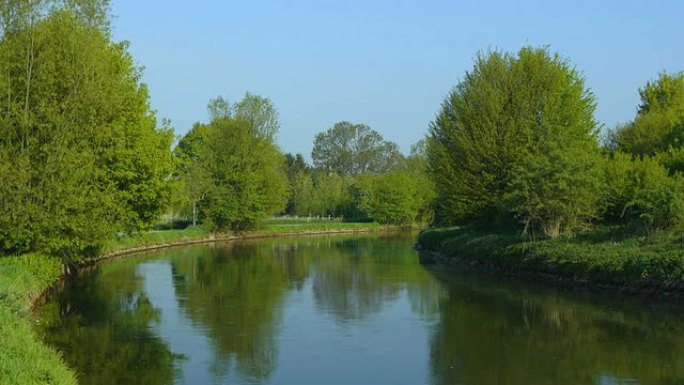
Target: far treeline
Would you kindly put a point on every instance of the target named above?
(83, 157)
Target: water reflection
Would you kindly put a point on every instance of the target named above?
(506, 332)
(346, 310)
(235, 293)
(99, 329)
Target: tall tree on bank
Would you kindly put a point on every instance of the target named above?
(80, 150)
(510, 138)
(231, 168)
(354, 149)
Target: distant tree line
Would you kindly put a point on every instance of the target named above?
(516, 145)
(229, 181)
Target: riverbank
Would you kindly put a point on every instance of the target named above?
(606, 258)
(25, 359)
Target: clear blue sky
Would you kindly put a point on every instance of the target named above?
(385, 63)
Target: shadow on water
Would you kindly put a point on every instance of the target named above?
(98, 328)
(503, 331)
(342, 310)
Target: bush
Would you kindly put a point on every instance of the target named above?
(642, 191)
(557, 190)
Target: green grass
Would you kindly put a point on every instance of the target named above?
(154, 238)
(274, 226)
(24, 358)
(610, 255)
(284, 226)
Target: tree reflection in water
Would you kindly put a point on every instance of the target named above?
(231, 303)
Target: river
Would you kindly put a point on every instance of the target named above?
(347, 310)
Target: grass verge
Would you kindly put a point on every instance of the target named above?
(154, 238)
(289, 226)
(609, 255)
(24, 358)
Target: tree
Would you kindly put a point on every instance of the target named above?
(498, 133)
(192, 177)
(82, 155)
(558, 190)
(417, 166)
(392, 198)
(353, 149)
(658, 128)
(233, 174)
(261, 115)
(639, 190)
(299, 179)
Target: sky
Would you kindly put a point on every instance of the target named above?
(387, 64)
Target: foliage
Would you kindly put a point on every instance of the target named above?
(392, 198)
(231, 168)
(330, 195)
(300, 184)
(659, 124)
(641, 191)
(607, 255)
(80, 153)
(354, 149)
(557, 191)
(510, 110)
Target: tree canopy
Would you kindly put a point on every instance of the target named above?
(82, 155)
(354, 149)
(503, 131)
(231, 167)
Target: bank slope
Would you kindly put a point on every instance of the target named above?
(607, 257)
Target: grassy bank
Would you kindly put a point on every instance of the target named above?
(288, 226)
(272, 227)
(609, 255)
(154, 238)
(25, 359)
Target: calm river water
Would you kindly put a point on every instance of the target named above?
(347, 310)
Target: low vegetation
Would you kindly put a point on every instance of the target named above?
(609, 255)
(304, 225)
(24, 358)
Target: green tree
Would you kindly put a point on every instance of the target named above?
(641, 191)
(660, 118)
(81, 151)
(193, 179)
(231, 172)
(298, 172)
(508, 113)
(558, 190)
(658, 128)
(261, 115)
(392, 198)
(353, 149)
(330, 194)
